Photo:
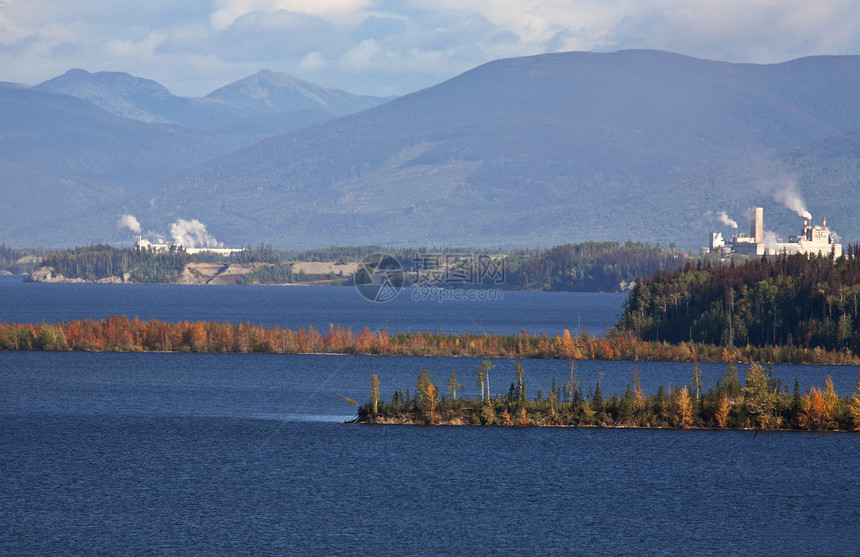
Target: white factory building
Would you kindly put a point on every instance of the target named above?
(144, 244)
(812, 240)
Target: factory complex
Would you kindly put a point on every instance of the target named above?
(816, 240)
(144, 244)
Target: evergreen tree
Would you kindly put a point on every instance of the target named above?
(597, 399)
(521, 386)
(760, 395)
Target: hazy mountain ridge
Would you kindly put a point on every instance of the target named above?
(262, 94)
(80, 140)
(540, 150)
(267, 91)
(121, 94)
(59, 154)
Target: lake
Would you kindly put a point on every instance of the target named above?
(300, 306)
(202, 454)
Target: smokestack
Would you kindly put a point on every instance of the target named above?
(757, 225)
(824, 222)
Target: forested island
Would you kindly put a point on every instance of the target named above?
(760, 402)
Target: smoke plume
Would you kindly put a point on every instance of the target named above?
(724, 218)
(192, 234)
(770, 242)
(128, 221)
(783, 189)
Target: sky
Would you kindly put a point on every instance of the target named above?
(387, 47)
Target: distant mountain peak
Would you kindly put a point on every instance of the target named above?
(76, 79)
(119, 93)
(265, 85)
(268, 90)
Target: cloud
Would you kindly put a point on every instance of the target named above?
(336, 10)
(313, 62)
(394, 46)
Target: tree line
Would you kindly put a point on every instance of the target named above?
(759, 402)
(586, 267)
(119, 333)
(589, 266)
(100, 260)
(805, 301)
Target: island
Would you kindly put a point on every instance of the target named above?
(760, 403)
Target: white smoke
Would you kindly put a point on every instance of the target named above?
(724, 218)
(770, 241)
(156, 237)
(128, 221)
(191, 234)
(783, 188)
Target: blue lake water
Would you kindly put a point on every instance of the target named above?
(300, 306)
(207, 454)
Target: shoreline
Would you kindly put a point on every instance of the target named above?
(359, 421)
(122, 334)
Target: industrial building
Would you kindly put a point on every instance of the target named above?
(144, 244)
(812, 240)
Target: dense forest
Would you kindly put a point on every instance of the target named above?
(99, 261)
(760, 402)
(343, 254)
(789, 300)
(133, 335)
(589, 266)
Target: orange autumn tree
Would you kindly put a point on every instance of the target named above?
(721, 414)
(812, 413)
(683, 408)
(818, 410)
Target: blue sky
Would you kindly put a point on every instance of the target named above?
(392, 48)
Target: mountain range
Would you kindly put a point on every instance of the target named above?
(85, 140)
(533, 151)
(265, 93)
